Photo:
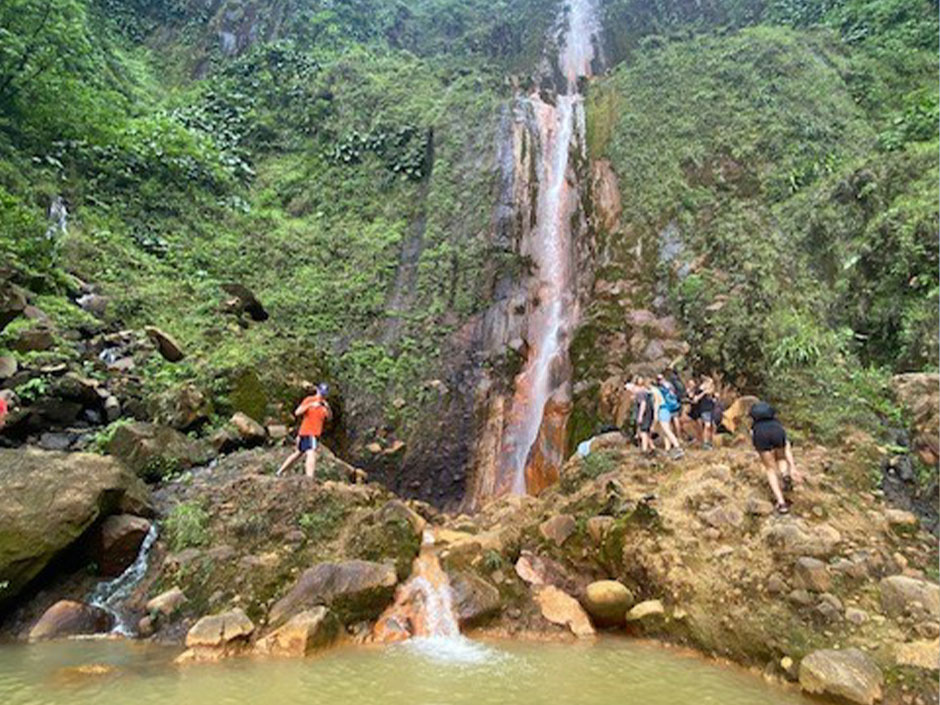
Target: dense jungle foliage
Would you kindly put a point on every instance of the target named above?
(792, 146)
(339, 159)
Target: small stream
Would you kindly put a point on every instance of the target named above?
(606, 672)
(110, 595)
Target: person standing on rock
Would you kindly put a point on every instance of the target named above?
(703, 401)
(662, 405)
(314, 412)
(770, 442)
(643, 403)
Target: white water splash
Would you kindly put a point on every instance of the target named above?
(109, 595)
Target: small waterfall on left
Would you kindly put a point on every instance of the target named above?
(424, 613)
(109, 595)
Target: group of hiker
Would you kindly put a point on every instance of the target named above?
(674, 411)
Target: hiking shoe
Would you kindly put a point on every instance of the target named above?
(787, 483)
(707, 446)
(782, 509)
(677, 453)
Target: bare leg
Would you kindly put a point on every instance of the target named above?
(310, 463)
(677, 426)
(770, 465)
(290, 461)
(794, 473)
(669, 436)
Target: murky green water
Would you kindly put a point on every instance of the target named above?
(608, 672)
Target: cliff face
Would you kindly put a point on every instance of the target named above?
(364, 177)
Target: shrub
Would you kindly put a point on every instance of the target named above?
(186, 526)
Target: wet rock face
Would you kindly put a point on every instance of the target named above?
(70, 618)
(475, 600)
(355, 590)
(848, 674)
(117, 542)
(49, 500)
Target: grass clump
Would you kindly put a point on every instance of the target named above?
(186, 526)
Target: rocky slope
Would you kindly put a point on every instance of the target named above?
(685, 551)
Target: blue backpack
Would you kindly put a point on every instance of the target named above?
(670, 400)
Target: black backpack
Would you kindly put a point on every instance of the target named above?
(762, 411)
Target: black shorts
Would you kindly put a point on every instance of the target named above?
(305, 443)
(646, 423)
(768, 435)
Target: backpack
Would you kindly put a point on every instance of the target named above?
(762, 411)
(678, 386)
(670, 400)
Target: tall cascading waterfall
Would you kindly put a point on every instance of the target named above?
(533, 440)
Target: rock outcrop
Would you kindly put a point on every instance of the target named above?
(562, 609)
(117, 543)
(354, 590)
(154, 451)
(48, 500)
(302, 634)
(218, 636)
(848, 674)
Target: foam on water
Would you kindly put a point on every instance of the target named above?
(455, 650)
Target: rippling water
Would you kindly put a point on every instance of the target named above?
(423, 672)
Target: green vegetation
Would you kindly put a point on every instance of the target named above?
(324, 519)
(301, 163)
(781, 158)
(186, 526)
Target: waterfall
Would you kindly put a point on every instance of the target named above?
(109, 595)
(423, 613)
(533, 442)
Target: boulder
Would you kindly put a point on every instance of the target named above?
(184, 408)
(70, 618)
(250, 431)
(811, 574)
(48, 500)
(354, 590)
(647, 611)
(154, 451)
(303, 633)
(799, 538)
(117, 543)
(899, 594)
(8, 366)
(919, 394)
(848, 674)
(725, 516)
(35, 339)
(167, 602)
(759, 507)
(607, 601)
(736, 415)
(901, 522)
(12, 303)
(558, 529)
(560, 608)
(217, 636)
(475, 600)
(919, 654)
(166, 345)
(244, 299)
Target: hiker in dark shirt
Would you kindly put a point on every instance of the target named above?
(643, 401)
(770, 442)
(703, 403)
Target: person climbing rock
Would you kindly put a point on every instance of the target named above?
(703, 401)
(663, 417)
(672, 376)
(770, 442)
(314, 412)
(643, 412)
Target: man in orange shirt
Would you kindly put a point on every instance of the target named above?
(313, 412)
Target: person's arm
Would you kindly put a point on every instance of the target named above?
(329, 411)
